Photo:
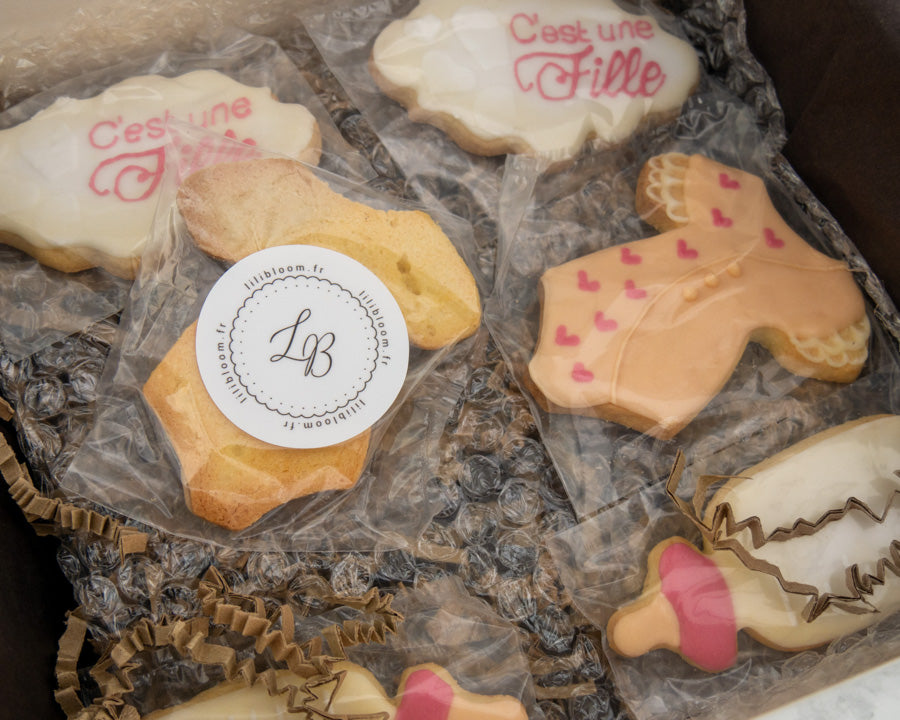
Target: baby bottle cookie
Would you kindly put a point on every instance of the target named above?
(646, 333)
(801, 549)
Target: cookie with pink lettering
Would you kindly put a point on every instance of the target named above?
(646, 333)
(79, 181)
(800, 550)
(426, 692)
(535, 78)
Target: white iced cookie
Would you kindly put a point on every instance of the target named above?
(79, 181)
(532, 77)
(814, 554)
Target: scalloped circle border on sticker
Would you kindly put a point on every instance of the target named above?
(301, 346)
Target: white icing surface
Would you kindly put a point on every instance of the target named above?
(856, 462)
(58, 170)
(553, 57)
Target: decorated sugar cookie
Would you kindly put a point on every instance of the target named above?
(532, 77)
(801, 549)
(646, 333)
(426, 692)
(79, 181)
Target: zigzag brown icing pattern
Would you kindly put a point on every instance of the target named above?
(718, 532)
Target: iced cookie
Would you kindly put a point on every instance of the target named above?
(426, 692)
(530, 77)
(815, 554)
(79, 180)
(646, 333)
(230, 478)
(235, 209)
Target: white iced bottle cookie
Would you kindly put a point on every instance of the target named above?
(79, 180)
(532, 77)
(823, 564)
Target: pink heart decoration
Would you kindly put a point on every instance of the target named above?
(630, 258)
(604, 324)
(585, 284)
(563, 338)
(685, 252)
(727, 182)
(581, 374)
(772, 240)
(719, 220)
(633, 291)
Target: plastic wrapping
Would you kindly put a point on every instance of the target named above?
(498, 499)
(614, 475)
(127, 463)
(434, 168)
(606, 570)
(45, 304)
(569, 216)
(304, 659)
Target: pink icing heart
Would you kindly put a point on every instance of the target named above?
(604, 324)
(630, 258)
(772, 240)
(685, 252)
(562, 338)
(581, 374)
(719, 220)
(633, 291)
(585, 284)
(727, 182)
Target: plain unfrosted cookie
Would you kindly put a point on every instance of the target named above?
(79, 181)
(532, 77)
(230, 478)
(646, 333)
(235, 209)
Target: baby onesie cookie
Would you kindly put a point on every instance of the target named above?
(231, 478)
(234, 209)
(79, 180)
(646, 333)
(801, 549)
(426, 692)
(530, 77)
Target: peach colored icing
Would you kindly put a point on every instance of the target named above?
(548, 75)
(656, 326)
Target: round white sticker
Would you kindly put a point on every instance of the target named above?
(301, 347)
